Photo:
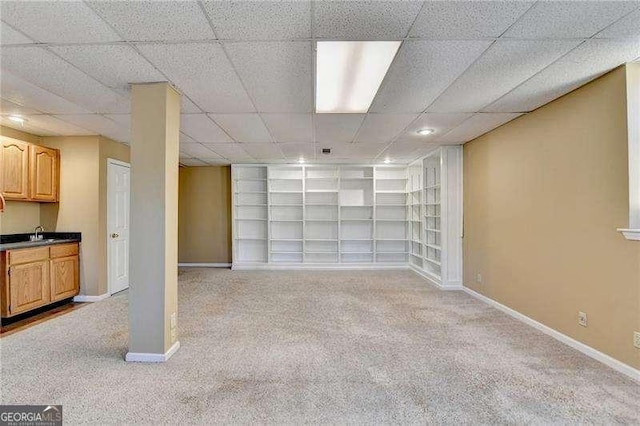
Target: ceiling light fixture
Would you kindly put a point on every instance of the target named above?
(424, 132)
(387, 161)
(301, 160)
(16, 119)
(349, 73)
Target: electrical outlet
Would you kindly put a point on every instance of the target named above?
(479, 278)
(582, 319)
(636, 339)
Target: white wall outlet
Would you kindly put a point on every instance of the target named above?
(582, 319)
(479, 278)
(636, 339)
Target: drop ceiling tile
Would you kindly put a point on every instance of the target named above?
(155, 20)
(24, 93)
(383, 127)
(337, 127)
(260, 20)
(113, 65)
(290, 127)
(10, 108)
(57, 21)
(422, 70)
(588, 61)
(567, 19)
(184, 139)
(475, 126)
(263, 151)
(230, 151)
(467, 19)
(243, 127)
(187, 106)
(51, 73)
(438, 122)
(405, 149)
(277, 74)
(364, 20)
(216, 162)
(54, 126)
(202, 72)
(196, 150)
(297, 150)
(355, 151)
(10, 36)
(506, 64)
(629, 26)
(192, 162)
(98, 124)
(123, 120)
(202, 129)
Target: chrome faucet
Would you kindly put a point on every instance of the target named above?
(37, 236)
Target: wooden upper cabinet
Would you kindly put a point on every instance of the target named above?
(43, 173)
(14, 169)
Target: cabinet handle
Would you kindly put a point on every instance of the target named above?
(114, 235)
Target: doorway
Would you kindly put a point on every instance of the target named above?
(118, 195)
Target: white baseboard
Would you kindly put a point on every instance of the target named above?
(433, 280)
(83, 298)
(619, 366)
(149, 357)
(204, 265)
(315, 266)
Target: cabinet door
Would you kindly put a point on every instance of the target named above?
(64, 277)
(14, 169)
(29, 286)
(43, 173)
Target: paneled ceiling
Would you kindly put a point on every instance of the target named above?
(246, 69)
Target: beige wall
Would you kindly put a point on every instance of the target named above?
(543, 196)
(82, 206)
(204, 226)
(19, 216)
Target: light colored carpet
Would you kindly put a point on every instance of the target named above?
(314, 347)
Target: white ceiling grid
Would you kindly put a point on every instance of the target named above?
(246, 69)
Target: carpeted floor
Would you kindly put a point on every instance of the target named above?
(314, 347)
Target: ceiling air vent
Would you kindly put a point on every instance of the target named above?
(326, 151)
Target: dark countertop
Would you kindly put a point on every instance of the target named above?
(20, 241)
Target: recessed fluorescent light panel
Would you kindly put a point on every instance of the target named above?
(349, 73)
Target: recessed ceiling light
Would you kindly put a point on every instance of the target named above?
(387, 161)
(425, 132)
(349, 73)
(16, 119)
(301, 160)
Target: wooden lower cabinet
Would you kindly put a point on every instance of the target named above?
(64, 277)
(35, 277)
(29, 286)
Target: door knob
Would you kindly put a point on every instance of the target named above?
(114, 235)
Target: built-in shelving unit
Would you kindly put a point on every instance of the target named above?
(386, 216)
(251, 217)
(432, 214)
(321, 214)
(356, 214)
(390, 214)
(286, 214)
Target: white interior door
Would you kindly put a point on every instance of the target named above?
(118, 191)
